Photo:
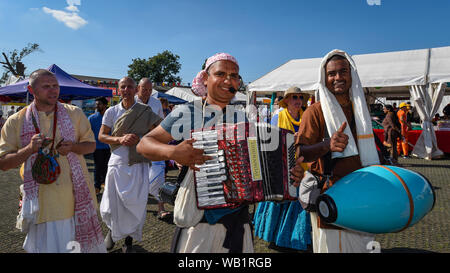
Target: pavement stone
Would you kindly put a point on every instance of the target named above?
(431, 234)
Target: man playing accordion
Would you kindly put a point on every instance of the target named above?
(219, 230)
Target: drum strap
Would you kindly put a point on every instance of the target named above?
(328, 165)
(411, 202)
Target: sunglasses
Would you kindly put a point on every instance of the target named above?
(295, 97)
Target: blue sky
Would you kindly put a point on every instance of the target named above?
(102, 37)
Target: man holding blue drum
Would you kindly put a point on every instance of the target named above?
(342, 114)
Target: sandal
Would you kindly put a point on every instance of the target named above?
(163, 214)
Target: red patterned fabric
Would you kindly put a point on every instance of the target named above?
(87, 227)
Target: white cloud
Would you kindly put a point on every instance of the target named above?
(72, 5)
(74, 2)
(72, 8)
(70, 19)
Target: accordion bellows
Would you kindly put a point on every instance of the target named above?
(250, 163)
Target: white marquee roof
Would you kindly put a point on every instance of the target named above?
(383, 73)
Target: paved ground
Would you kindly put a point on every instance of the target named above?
(432, 234)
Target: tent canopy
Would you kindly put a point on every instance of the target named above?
(170, 99)
(187, 94)
(382, 74)
(70, 87)
(183, 93)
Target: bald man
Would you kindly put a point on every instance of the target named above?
(157, 171)
(124, 201)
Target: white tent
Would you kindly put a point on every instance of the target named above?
(183, 93)
(187, 95)
(411, 73)
(389, 73)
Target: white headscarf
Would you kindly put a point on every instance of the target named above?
(334, 115)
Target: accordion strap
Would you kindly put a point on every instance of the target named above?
(181, 175)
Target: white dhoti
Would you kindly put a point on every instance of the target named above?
(124, 201)
(339, 241)
(156, 177)
(206, 238)
(55, 237)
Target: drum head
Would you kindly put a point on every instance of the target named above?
(326, 208)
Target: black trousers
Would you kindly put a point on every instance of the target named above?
(101, 158)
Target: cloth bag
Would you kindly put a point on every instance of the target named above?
(309, 190)
(186, 212)
(45, 169)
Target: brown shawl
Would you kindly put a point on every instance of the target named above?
(137, 120)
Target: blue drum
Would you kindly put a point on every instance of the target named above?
(377, 199)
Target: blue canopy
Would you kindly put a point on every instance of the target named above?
(70, 87)
(171, 99)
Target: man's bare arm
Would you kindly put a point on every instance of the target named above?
(81, 148)
(313, 152)
(154, 147)
(337, 143)
(103, 136)
(13, 160)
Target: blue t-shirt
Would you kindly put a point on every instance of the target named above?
(183, 119)
(96, 123)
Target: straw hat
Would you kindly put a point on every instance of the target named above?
(290, 91)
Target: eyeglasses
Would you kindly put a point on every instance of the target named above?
(295, 97)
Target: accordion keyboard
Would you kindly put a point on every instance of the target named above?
(212, 174)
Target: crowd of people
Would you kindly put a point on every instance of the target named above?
(132, 141)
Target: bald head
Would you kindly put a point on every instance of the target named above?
(144, 89)
(128, 80)
(145, 81)
(127, 88)
(37, 74)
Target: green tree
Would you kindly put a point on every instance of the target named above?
(13, 61)
(162, 67)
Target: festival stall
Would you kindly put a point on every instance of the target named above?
(70, 88)
(183, 93)
(171, 99)
(420, 75)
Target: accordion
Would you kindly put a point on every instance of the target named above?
(250, 163)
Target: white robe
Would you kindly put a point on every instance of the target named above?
(124, 201)
(206, 238)
(156, 177)
(55, 237)
(340, 241)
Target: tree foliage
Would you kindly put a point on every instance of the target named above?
(12, 63)
(162, 67)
